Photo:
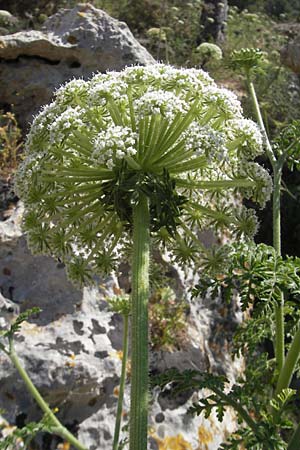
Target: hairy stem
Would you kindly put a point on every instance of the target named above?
(59, 429)
(139, 334)
(122, 384)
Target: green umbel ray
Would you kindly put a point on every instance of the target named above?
(139, 331)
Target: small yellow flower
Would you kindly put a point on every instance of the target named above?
(116, 391)
(205, 437)
(173, 443)
(64, 446)
(72, 362)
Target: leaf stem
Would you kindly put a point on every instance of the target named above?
(239, 409)
(122, 383)
(58, 427)
(139, 334)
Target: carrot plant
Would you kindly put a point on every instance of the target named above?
(146, 156)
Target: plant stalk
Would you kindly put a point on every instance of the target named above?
(257, 110)
(279, 308)
(139, 333)
(122, 384)
(277, 173)
(286, 373)
(58, 427)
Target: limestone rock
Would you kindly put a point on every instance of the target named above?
(72, 43)
(290, 54)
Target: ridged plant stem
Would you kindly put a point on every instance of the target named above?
(58, 428)
(139, 331)
(122, 384)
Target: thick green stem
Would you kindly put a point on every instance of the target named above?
(295, 439)
(286, 373)
(122, 384)
(58, 427)
(139, 334)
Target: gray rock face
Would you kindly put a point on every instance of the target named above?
(73, 43)
(290, 54)
(71, 352)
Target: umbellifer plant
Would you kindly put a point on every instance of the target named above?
(127, 158)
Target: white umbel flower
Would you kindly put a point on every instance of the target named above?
(169, 133)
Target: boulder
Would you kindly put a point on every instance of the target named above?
(290, 54)
(72, 43)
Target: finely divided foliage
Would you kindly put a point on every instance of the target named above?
(169, 133)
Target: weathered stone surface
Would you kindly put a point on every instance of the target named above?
(73, 43)
(290, 54)
(71, 353)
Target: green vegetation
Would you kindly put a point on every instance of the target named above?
(143, 148)
(10, 143)
(167, 320)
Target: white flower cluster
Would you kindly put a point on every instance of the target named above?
(246, 135)
(207, 141)
(39, 128)
(112, 144)
(70, 119)
(105, 86)
(160, 102)
(167, 77)
(140, 126)
(263, 181)
(71, 92)
(224, 102)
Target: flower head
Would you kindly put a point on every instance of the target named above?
(169, 133)
(246, 59)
